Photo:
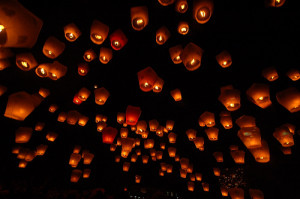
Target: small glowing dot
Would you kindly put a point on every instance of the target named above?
(261, 98)
(82, 71)
(50, 52)
(88, 56)
(139, 21)
(42, 70)
(184, 29)
(177, 58)
(224, 63)
(182, 6)
(116, 43)
(193, 61)
(156, 87)
(146, 84)
(160, 38)
(95, 86)
(202, 13)
(54, 75)
(71, 36)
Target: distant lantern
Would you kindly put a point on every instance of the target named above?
(224, 191)
(201, 122)
(75, 175)
(21, 104)
(152, 152)
(117, 158)
(246, 121)
(274, 3)
(83, 69)
(172, 152)
(205, 186)
(202, 10)
(289, 99)
(217, 171)
(176, 94)
(169, 168)
(183, 173)
(145, 159)
(256, 194)
(162, 35)
(199, 142)
(139, 17)
(88, 158)
(132, 114)
(198, 176)
(159, 155)
(192, 177)
(124, 132)
(137, 142)
(172, 137)
(98, 32)
(22, 163)
(191, 186)
(89, 55)
(83, 94)
(147, 78)
(183, 28)
(181, 6)
(53, 47)
(76, 149)
(170, 125)
(105, 55)
(127, 145)
(76, 100)
(259, 94)
(284, 136)
(126, 166)
(190, 168)
(236, 193)
(224, 59)
(184, 163)
(137, 178)
(100, 126)
(175, 54)
(153, 125)
(212, 133)
(158, 85)
(62, 116)
(4, 63)
(26, 61)
(101, 95)
(160, 131)
(44, 92)
(293, 74)
(238, 156)
(191, 56)
(141, 126)
(118, 39)
(3, 89)
(270, 74)
(250, 136)
(218, 156)
(208, 118)
(166, 2)
(73, 117)
(226, 122)
(191, 134)
(161, 173)
(86, 173)
(100, 118)
(162, 145)
(51, 136)
(74, 159)
(72, 32)
(261, 154)
(121, 118)
(230, 98)
(41, 149)
(23, 134)
(145, 134)
(83, 120)
(113, 147)
(149, 144)
(132, 128)
(39, 126)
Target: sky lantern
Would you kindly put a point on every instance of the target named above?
(270, 74)
(86, 173)
(170, 125)
(250, 136)
(39, 126)
(190, 168)
(98, 32)
(137, 143)
(159, 155)
(183, 173)
(224, 191)
(205, 186)
(76, 149)
(117, 158)
(57, 70)
(89, 55)
(75, 175)
(132, 114)
(76, 100)
(23, 134)
(191, 56)
(184, 163)
(217, 171)
(236, 193)
(289, 99)
(83, 94)
(176, 94)
(44, 92)
(101, 95)
(72, 32)
(261, 154)
(293, 74)
(191, 134)
(22, 164)
(162, 145)
(291, 127)
(100, 118)
(121, 117)
(224, 59)
(274, 3)
(53, 47)
(73, 117)
(74, 159)
(183, 28)
(202, 10)
(181, 6)
(192, 177)
(218, 156)
(153, 125)
(246, 121)
(149, 144)
(83, 69)
(100, 126)
(208, 118)
(256, 194)
(166, 2)
(191, 186)
(113, 147)
(137, 178)
(126, 166)
(158, 85)
(172, 137)
(4, 63)
(118, 39)
(62, 116)
(284, 136)
(141, 126)
(172, 152)
(199, 142)
(212, 133)
(198, 176)
(105, 55)
(259, 94)
(226, 122)
(147, 78)
(139, 17)
(286, 150)
(83, 120)
(230, 98)
(127, 145)
(238, 156)
(43, 69)
(26, 61)
(88, 158)
(162, 35)
(169, 168)
(160, 131)
(175, 54)
(41, 149)
(124, 132)
(51, 136)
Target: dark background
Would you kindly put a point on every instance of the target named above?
(257, 37)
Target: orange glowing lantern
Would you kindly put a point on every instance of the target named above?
(43, 69)
(53, 47)
(73, 117)
(139, 17)
(145, 159)
(233, 147)
(183, 173)
(289, 99)
(175, 54)
(184, 163)
(161, 173)
(132, 114)
(138, 178)
(117, 158)
(246, 121)
(88, 158)
(199, 142)
(202, 10)
(86, 173)
(22, 163)
(62, 116)
(284, 136)
(176, 94)
(162, 145)
(230, 98)
(72, 32)
(293, 74)
(226, 122)
(270, 74)
(83, 120)
(133, 157)
(166, 2)
(208, 118)
(205, 186)
(236, 193)
(3, 89)
(181, 6)
(109, 134)
(101, 95)
(153, 125)
(83, 69)
(149, 144)
(191, 134)
(198, 176)
(200, 122)
(56, 70)
(121, 118)
(169, 168)
(147, 78)
(172, 152)
(4, 63)
(141, 126)
(127, 145)
(158, 85)
(224, 59)
(75, 175)
(39, 126)
(74, 159)
(191, 186)
(172, 138)
(41, 149)
(183, 28)
(250, 136)
(162, 35)
(98, 32)
(118, 39)
(170, 125)
(159, 155)
(217, 171)
(76, 100)
(261, 154)
(224, 191)
(44, 92)
(113, 147)
(51, 136)
(274, 3)
(105, 55)
(160, 131)
(76, 149)
(218, 156)
(83, 94)
(89, 55)
(23, 134)
(191, 56)
(190, 168)
(124, 132)
(145, 134)
(256, 194)
(212, 133)
(259, 94)
(26, 61)
(126, 166)
(238, 156)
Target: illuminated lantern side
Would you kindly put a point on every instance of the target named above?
(44, 92)
(132, 114)
(199, 142)
(176, 94)
(293, 74)
(72, 32)
(170, 125)
(198, 176)
(158, 85)
(77, 149)
(205, 186)
(208, 118)
(181, 6)
(53, 47)
(62, 116)
(184, 163)
(83, 120)
(191, 186)
(224, 191)
(250, 136)
(172, 138)
(230, 98)
(105, 55)
(22, 163)
(191, 56)
(41, 149)
(51, 136)
(98, 32)
(175, 54)
(172, 152)
(183, 173)
(162, 35)
(23, 134)
(226, 122)
(89, 55)
(4, 63)
(289, 99)
(83, 94)
(43, 69)
(83, 69)
(76, 100)
(139, 17)
(153, 125)
(101, 95)
(138, 178)
(218, 156)
(259, 94)
(126, 166)
(274, 3)
(261, 154)
(270, 74)
(100, 126)
(86, 173)
(26, 61)
(202, 10)
(145, 159)
(118, 39)
(121, 118)
(39, 126)
(88, 158)
(73, 117)
(124, 132)
(74, 159)
(191, 134)
(141, 126)
(212, 133)
(147, 77)
(224, 59)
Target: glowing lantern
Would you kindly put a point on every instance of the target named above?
(172, 152)
(39, 126)
(226, 122)
(199, 142)
(75, 175)
(169, 168)
(208, 118)
(43, 69)
(105, 55)
(41, 149)
(118, 39)
(184, 163)
(230, 98)
(132, 114)
(83, 69)
(158, 85)
(57, 70)
(21, 104)
(261, 154)
(289, 99)
(100, 118)
(238, 156)
(159, 155)
(166, 2)
(26, 61)
(139, 17)
(124, 132)
(183, 28)
(22, 163)
(147, 78)
(198, 176)
(170, 125)
(74, 159)
(127, 145)
(181, 6)
(224, 191)
(177, 158)
(149, 144)
(89, 55)
(73, 117)
(176, 94)
(293, 74)
(259, 94)
(101, 95)
(224, 59)
(153, 125)
(141, 126)
(126, 166)
(121, 118)
(203, 10)
(246, 121)
(190, 168)
(152, 152)
(71, 32)
(200, 122)
(138, 178)
(175, 54)
(191, 56)
(30, 155)
(236, 193)
(212, 133)
(250, 136)
(4, 63)
(113, 147)
(3, 89)
(117, 158)
(192, 177)
(291, 127)
(183, 173)
(218, 156)
(145, 159)
(137, 142)
(82, 120)
(160, 131)
(191, 134)
(205, 186)
(86, 173)
(133, 128)
(191, 186)
(44, 92)
(98, 32)
(109, 134)
(88, 158)
(284, 136)
(15, 150)
(53, 47)
(274, 3)
(161, 173)
(162, 35)
(51, 136)
(172, 138)
(23, 134)
(19, 28)
(76, 100)
(62, 116)
(256, 194)
(145, 134)
(83, 94)
(133, 157)
(270, 74)
(77, 149)
(217, 171)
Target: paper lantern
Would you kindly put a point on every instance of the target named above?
(199, 142)
(161, 173)
(141, 126)
(118, 39)
(117, 158)
(132, 114)
(259, 94)
(149, 144)
(22, 164)
(218, 156)
(162, 35)
(83, 94)
(172, 152)
(284, 136)
(250, 136)
(105, 55)
(159, 155)
(57, 70)
(230, 98)
(238, 156)
(26, 61)
(100, 118)
(139, 17)
(74, 159)
(198, 176)
(101, 95)
(113, 147)
(43, 69)
(226, 122)
(175, 54)
(176, 94)
(16, 150)
(160, 131)
(224, 191)
(145, 159)
(145, 134)
(274, 3)
(236, 193)
(73, 117)
(224, 59)
(212, 133)
(166, 2)
(137, 178)
(293, 74)
(158, 85)
(170, 125)
(133, 157)
(191, 56)
(39, 126)
(147, 78)
(41, 149)
(4, 63)
(183, 173)
(23, 134)
(72, 32)
(177, 158)
(124, 132)
(191, 134)
(256, 194)
(83, 69)
(89, 55)
(30, 156)
(19, 28)
(109, 134)
(75, 175)
(126, 166)
(184, 163)
(205, 186)
(62, 116)
(98, 32)
(121, 118)
(162, 145)
(289, 99)
(208, 118)
(261, 154)
(153, 125)
(246, 121)
(51, 136)
(76, 100)
(127, 145)
(201, 122)
(44, 92)
(181, 6)
(202, 10)
(88, 158)
(217, 171)
(21, 104)
(169, 168)
(86, 173)
(191, 186)
(172, 137)
(270, 74)
(53, 47)
(77, 149)
(183, 28)
(190, 168)
(83, 120)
